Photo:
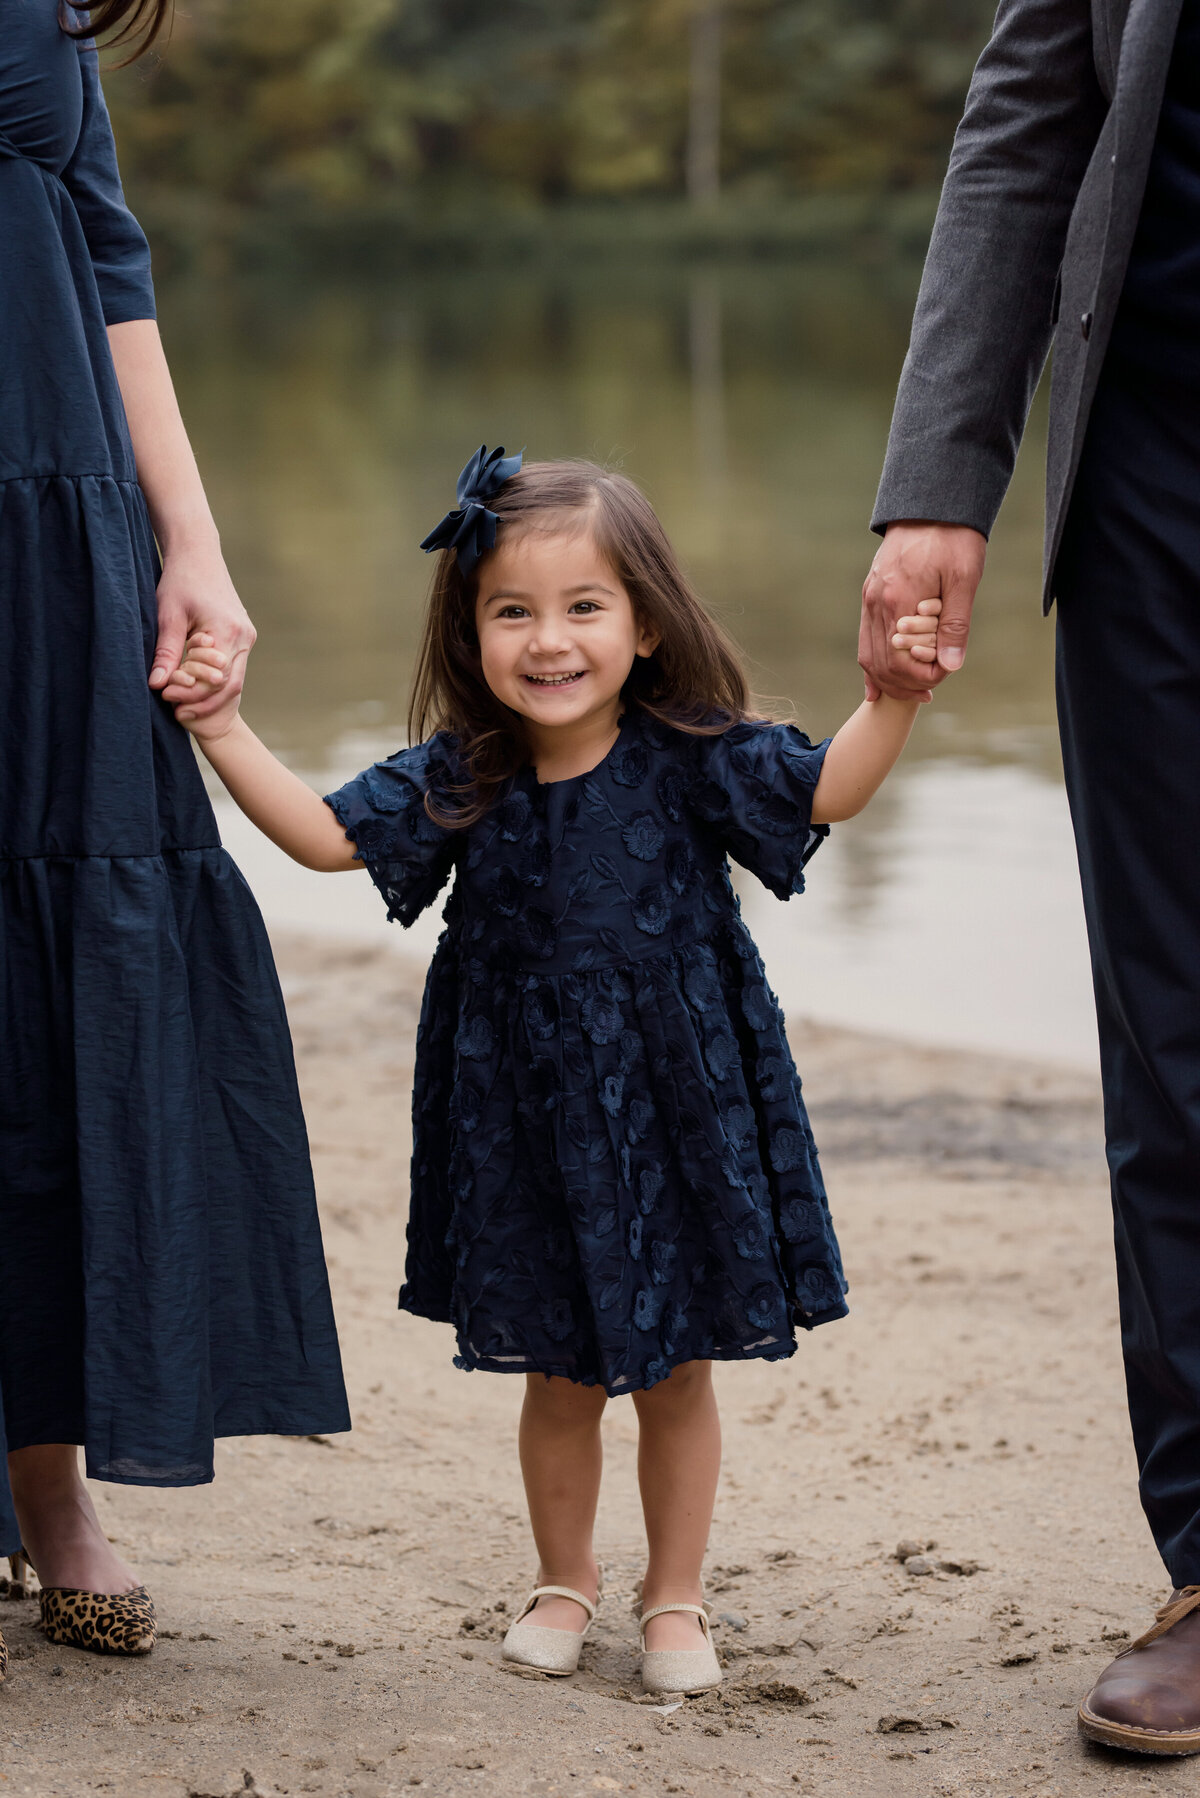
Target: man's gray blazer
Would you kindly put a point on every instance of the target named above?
(1031, 243)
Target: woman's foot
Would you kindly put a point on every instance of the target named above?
(62, 1534)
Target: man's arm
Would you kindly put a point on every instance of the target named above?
(982, 327)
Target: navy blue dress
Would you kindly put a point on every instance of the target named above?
(161, 1273)
(613, 1171)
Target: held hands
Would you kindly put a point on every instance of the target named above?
(196, 597)
(208, 698)
(918, 564)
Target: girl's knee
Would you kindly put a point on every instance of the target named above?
(683, 1385)
(565, 1400)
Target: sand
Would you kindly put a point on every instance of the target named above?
(331, 1609)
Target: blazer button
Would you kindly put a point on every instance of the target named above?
(1085, 326)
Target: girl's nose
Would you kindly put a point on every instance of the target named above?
(550, 637)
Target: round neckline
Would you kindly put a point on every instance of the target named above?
(547, 786)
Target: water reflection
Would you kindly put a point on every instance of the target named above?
(751, 401)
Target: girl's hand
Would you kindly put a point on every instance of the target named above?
(203, 676)
(918, 635)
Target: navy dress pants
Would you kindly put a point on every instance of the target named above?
(1129, 709)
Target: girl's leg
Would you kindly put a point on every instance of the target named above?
(59, 1526)
(561, 1460)
(679, 1459)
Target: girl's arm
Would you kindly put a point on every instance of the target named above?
(868, 746)
(284, 809)
(195, 592)
(861, 757)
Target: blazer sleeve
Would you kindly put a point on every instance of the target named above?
(985, 312)
(116, 242)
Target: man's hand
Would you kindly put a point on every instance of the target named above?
(196, 594)
(918, 561)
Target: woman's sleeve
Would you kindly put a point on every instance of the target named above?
(116, 242)
(382, 810)
(753, 786)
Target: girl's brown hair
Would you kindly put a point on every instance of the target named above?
(135, 23)
(694, 680)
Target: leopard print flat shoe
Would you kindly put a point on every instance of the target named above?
(3, 1661)
(104, 1622)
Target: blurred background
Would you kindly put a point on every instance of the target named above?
(681, 236)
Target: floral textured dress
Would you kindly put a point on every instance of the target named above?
(613, 1172)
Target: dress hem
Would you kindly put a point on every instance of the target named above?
(781, 1350)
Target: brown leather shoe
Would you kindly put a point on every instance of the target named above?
(1148, 1700)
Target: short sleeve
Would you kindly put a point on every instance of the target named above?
(116, 242)
(382, 810)
(753, 786)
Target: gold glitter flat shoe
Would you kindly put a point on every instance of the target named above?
(553, 1651)
(680, 1669)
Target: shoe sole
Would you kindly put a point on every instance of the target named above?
(1137, 1741)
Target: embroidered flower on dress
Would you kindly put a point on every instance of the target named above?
(789, 1149)
(643, 836)
(541, 1011)
(647, 1308)
(537, 932)
(758, 1007)
(672, 792)
(558, 1319)
(476, 1039)
(663, 1258)
(721, 1053)
(628, 763)
(799, 1219)
(601, 1018)
(514, 815)
(652, 910)
(681, 868)
(764, 1309)
(612, 1094)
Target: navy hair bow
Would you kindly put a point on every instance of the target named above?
(470, 530)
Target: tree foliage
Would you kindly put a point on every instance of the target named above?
(346, 104)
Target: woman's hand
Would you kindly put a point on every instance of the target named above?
(209, 701)
(198, 605)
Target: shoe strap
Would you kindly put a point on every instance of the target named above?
(690, 1610)
(557, 1592)
(1181, 1604)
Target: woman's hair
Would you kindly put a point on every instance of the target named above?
(694, 680)
(131, 22)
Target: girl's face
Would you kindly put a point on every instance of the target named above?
(557, 630)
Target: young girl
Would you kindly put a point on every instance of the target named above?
(613, 1180)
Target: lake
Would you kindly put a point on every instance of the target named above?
(752, 402)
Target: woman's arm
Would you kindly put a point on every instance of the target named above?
(195, 592)
(861, 757)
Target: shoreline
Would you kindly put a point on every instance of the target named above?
(332, 1609)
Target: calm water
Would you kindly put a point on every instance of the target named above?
(752, 403)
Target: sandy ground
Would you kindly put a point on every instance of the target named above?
(331, 1609)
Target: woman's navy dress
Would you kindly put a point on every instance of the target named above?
(161, 1273)
(613, 1171)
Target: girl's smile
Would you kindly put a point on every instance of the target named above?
(558, 635)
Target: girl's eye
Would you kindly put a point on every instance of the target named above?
(585, 605)
(512, 612)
